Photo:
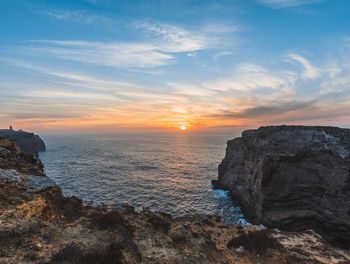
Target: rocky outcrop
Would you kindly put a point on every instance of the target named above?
(293, 178)
(28, 142)
(39, 225)
(12, 157)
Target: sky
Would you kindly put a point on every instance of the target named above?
(109, 65)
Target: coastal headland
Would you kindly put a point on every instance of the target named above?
(38, 224)
(293, 178)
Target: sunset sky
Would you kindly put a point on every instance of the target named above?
(104, 65)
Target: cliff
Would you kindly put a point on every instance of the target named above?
(39, 225)
(292, 178)
(28, 142)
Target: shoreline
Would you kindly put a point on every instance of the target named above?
(40, 225)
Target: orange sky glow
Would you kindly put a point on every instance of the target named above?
(222, 67)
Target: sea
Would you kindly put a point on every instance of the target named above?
(171, 173)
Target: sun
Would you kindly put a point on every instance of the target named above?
(183, 127)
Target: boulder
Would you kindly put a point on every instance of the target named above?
(293, 178)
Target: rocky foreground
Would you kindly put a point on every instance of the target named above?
(39, 225)
(293, 178)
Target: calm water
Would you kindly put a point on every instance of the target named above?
(170, 173)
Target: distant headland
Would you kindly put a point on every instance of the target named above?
(27, 141)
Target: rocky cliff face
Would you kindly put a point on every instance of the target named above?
(28, 142)
(293, 178)
(39, 225)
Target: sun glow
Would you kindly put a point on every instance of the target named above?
(183, 127)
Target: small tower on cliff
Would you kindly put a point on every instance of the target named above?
(11, 128)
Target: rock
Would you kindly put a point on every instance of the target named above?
(40, 225)
(18, 160)
(3, 152)
(240, 249)
(39, 183)
(9, 175)
(28, 142)
(266, 246)
(292, 178)
(217, 185)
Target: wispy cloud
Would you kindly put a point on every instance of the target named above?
(310, 71)
(111, 54)
(287, 3)
(248, 77)
(159, 49)
(77, 16)
(176, 39)
(206, 67)
(250, 93)
(255, 93)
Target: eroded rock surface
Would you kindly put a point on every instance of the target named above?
(12, 157)
(293, 178)
(40, 225)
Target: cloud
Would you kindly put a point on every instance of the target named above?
(34, 115)
(287, 3)
(255, 93)
(270, 109)
(249, 94)
(316, 111)
(251, 77)
(173, 39)
(310, 71)
(85, 89)
(159, 47)
(30, 107)
(176, 39)
(77, 16)
(67, 95)
(97, 100)
(111, 54)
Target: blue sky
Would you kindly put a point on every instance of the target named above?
(105, 65)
